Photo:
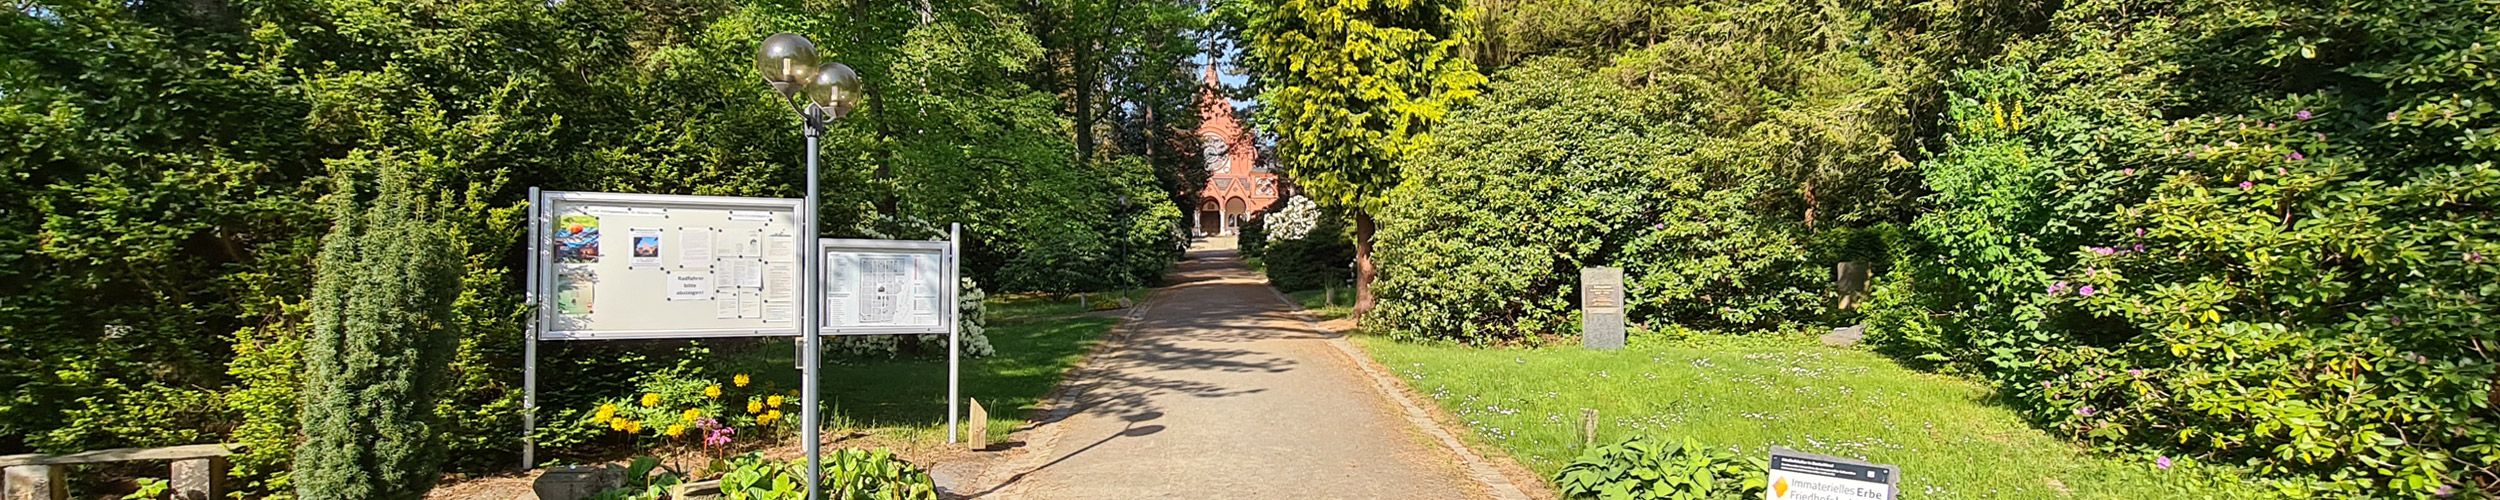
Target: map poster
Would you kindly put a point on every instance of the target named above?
(882, 281)
(577, 239)
(646, 246)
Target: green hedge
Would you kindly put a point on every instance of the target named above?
(2269, 243)
(2257, 232)
(1322, 258)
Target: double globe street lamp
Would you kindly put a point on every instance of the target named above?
(820, 94)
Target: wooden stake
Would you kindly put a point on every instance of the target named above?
(1588, 427)
(977, 427)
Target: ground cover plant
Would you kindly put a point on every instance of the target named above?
(1739, 396)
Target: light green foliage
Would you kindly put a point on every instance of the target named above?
(1351, 89)
(1647, 468)
(849, 474)
(373, 367)
(149, 489)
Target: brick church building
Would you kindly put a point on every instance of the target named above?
(1238, 184)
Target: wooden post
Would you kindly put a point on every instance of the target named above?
(978, 426)
(1329, 293)
(1588, 427)
(35, 482)
(201, 478)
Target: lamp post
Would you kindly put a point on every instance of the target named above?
(820, 94)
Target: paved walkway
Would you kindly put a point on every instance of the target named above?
(1220, 390)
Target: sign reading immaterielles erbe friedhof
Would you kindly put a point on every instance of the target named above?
(1805, 476)
(1601, 307)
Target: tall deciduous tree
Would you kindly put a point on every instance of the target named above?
(383, 331)
(1351, 89)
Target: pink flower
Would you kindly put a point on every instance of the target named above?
(2247, 185)
(2130, 171)
(2303, 115)
(2163, 462)
(2057, 288)
(2135, 372)
(2139, 232)
(2473, 257)
(2295, 156)
(2139, 248)
(2103, 250)
(2085, 291)
(2086, 411)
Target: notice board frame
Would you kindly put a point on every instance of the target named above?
(948, 296)
(547, 206)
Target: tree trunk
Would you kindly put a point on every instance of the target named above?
(1084, 105)
(1364, 272)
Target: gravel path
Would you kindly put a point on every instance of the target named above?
(1219, 390)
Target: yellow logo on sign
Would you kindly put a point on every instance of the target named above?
(1780, 488)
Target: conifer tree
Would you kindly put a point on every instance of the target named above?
(382, 335)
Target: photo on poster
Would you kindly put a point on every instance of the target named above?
(646, 246)
(574, 293)
(577, 238)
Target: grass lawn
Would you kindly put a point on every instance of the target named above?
(1038, 340)
(1320, 304)
(1947, 436)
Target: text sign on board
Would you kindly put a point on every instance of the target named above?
(886, 287)
(1805, 476)
(620, 265)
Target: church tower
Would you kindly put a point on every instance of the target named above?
(1238, 184)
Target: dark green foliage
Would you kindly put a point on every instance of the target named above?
(1253, 237)
(1646, 468)
(1707, 164)
(2252, 231)
(162, 162)
(382, 331)
(1322, 258)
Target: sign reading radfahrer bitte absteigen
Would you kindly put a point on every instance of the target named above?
(1806, 476)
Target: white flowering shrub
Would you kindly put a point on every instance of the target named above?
(1292, 222)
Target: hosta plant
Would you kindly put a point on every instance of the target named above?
(1643, 467)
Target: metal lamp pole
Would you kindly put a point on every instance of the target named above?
(830, 92)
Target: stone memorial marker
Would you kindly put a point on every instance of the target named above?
(1601, 307)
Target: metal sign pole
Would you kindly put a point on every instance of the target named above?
(954, 325)
(810, 300)
(529, 349)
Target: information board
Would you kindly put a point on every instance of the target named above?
(664, 266)
(886, 287)
(1795, 475)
